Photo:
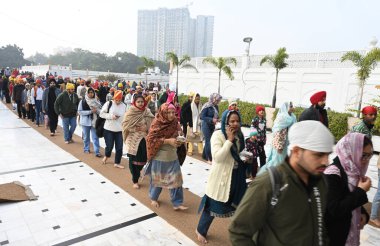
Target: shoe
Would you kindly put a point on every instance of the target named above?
(52, 134)
(87, 152)
(67, 142)
(98, 155)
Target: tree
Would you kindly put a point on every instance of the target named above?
(148, 63)
(109, 77)
(365, 64)
(278, 62)
(221, 64)
(179, 63)
(12, 56)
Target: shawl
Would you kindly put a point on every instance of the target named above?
(93, 103)
(160, 129)
(134, 117)
(196, 112)
(283, 119)
(212, 101)
(349, 150)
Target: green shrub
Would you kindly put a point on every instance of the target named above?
(337, 121)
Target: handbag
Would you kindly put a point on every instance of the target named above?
(181, 153)
(99, 123)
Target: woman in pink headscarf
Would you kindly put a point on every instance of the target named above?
(347, 189)
(173, 99)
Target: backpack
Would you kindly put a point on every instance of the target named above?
(99, 123)
(275, 179)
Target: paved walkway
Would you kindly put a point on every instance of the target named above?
(79, 205)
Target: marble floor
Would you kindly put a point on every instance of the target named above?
(70, 211)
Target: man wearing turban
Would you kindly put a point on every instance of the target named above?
(366, 125)
(66, 106)
(317, 109)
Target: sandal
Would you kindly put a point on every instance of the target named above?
(118, 166)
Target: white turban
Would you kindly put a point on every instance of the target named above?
(311, 135)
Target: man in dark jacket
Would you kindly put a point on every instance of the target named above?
(66, 106)
(48, 100)
(296, 215)
(317, 110)
(186, 114)
(102, 94)
(18, 98)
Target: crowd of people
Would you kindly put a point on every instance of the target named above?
(296, 197)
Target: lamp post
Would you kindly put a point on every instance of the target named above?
(247, 40)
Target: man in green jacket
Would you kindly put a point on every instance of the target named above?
(298, 216)
(66, 106)
(366, 125)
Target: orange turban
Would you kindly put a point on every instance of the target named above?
(118, 95)
(318, 97)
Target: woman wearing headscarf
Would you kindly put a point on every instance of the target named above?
(347, 189)
(113, 127)
(194, 133)
(284, 120)
(136, 124)
(209, 117)
(173, 99)
(89, 109)
(226, 183)
(165, 170)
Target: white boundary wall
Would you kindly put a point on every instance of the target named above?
(305, 75)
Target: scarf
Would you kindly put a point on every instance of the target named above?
(195, 114)
(160, 129)
(239, 187)
(283, 119)
(349, 150)
(212, 102)
(135, 117)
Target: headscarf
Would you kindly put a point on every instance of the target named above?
(283, 119)
(171, 97)
(92, 102)
(134, 102)
(161, 129)
(195, 114)
(214, 97)
(349, 150)
(134, 117)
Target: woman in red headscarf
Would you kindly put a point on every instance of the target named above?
(165, 170)
(136, 124)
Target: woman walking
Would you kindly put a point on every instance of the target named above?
(209, 117)
(89, 109)
(113, 127)
(279, 149)
(165, 170)
(347, 189)
(194, 133)
(136, 124)
(226, 184)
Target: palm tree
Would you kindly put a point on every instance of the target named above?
(278, 62)
(365, 63)
(148, 63)
(179, 63)
(221, 64)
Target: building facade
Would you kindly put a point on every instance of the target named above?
(165, 30)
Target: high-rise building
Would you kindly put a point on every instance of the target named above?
(165, 30)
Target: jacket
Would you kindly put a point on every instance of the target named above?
(314, 114)
(18, 92)
(219, 181)
(87, 117)
(293, 221)
(45, 98)
(340, 203)
(64, 106)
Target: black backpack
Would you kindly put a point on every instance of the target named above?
(99, 123)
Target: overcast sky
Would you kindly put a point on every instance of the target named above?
(111, 26)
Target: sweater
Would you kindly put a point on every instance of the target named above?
(297, 219)
(111, 124)
(219, 181)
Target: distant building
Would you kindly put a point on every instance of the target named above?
(165, 30)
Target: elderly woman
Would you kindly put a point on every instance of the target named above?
(347, 189)
(89, 109)
(226, 184)
(136, 124)
(279, 149)
(209, 117)
(165, 170)
(194, 133)
(113, 127)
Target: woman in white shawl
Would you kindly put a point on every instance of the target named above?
(194, 133)
(89, 109)
(279, 149)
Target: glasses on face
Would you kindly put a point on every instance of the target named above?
(366, 156)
